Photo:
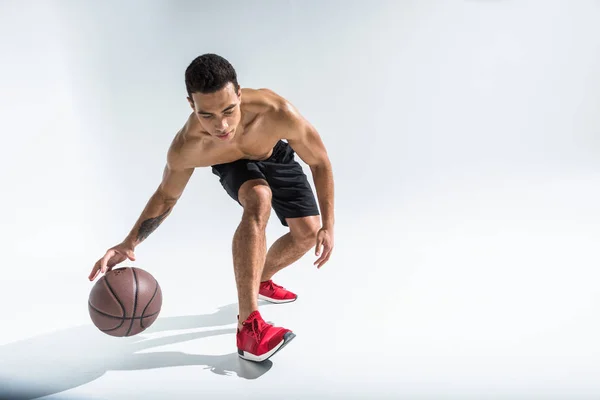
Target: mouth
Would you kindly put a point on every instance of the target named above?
(225, 135)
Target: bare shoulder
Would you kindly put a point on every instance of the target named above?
(261, 101)
(186, 148)
(272, 105)
(291, 125)
(288, 118)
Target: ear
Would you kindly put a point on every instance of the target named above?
(239, 92)
(191, 102)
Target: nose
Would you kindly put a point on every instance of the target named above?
(221, 125)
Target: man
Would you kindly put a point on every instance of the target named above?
(240, 133)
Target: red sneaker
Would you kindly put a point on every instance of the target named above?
(269, 291)
(258, 340)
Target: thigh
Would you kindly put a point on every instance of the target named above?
(233, 175)
(293, 196)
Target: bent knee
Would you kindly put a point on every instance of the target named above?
(255, 197)
(306, 231)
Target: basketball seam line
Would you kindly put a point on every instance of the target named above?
(148, 305)
(118, 301)
(123, 318)
(135, 294)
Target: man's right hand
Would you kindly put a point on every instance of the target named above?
(176, 175)
(113, 256)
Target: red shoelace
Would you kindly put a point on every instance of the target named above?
(257, 327)
(272, 285)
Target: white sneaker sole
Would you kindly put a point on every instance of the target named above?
(270, 300)
(263, 357)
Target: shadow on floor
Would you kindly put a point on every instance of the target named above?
(62, 360)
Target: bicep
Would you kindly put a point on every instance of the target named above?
(174, 181)
(306, 141)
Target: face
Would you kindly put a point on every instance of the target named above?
(219, 113)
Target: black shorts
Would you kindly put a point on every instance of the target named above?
(292, 194)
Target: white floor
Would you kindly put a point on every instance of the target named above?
(467, 205)
(472, 291)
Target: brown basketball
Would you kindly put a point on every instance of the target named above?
(125, 301)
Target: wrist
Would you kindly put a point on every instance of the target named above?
(327, 226)
(130, 242)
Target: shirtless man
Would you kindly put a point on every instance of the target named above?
(238, 132)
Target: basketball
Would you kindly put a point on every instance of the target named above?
(125, 301)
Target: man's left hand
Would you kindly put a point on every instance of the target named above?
(324, 246)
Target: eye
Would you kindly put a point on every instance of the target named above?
(206, 116)
(228, 112)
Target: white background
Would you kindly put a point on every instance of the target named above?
(465, 140)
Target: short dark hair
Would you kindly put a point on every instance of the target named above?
(208, 73)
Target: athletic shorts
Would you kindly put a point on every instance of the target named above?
(292, 195)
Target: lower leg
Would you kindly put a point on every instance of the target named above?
(285, 251)
(292, 246)
(249, 248)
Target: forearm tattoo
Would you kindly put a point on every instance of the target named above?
(150, 225)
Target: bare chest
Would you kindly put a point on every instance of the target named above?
(256, 142)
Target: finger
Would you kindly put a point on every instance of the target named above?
(95, 271)
(324, 260)
(104, 261)
(325, 252)
(93, 274)
(326, 255)
(318, 246)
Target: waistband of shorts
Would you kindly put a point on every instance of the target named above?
(278, 149)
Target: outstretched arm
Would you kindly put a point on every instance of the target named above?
(158, 207)
(161, 203)
(307, 143)
(175, 178)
